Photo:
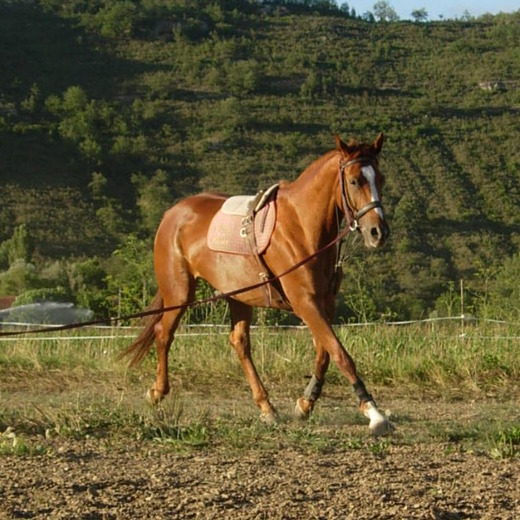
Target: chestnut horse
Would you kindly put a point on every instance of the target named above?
(343, 183)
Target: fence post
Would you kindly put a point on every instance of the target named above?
(462, 307)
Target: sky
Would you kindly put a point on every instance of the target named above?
(448, 9)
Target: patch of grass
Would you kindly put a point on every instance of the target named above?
(435, 359)
(163, 424)
(380, 447)
(489, 427)
(505, 443)
(75, 389)
(13, 444)
(62, 350)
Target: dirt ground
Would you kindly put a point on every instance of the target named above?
(91, 481)
(420, 472)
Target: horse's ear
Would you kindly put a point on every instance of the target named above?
(345, 149)
(339, 143)
(378, 143)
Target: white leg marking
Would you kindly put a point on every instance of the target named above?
(379, 424)
(370, 175)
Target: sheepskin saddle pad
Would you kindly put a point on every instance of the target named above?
(228, 231)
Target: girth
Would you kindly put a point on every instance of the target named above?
(247, 232)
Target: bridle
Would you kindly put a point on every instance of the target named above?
(351, 214)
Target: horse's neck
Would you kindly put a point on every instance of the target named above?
(314, 195)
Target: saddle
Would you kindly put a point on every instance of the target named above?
(241, 219)
(244, 226)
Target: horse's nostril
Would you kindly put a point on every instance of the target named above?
(375, 232)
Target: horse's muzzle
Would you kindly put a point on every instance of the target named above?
(376, 235)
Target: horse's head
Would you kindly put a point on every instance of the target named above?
(360, 185)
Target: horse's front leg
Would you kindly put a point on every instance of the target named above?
(379, 424)
(312, 392)
(325, 338)
(305, 404)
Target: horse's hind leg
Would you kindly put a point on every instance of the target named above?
(164, 332)
(241, 319)
(178, 292)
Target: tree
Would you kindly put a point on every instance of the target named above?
(131, 276)
(466, 16)
(345, 8)
(312, 86)
(409, 222)
(20, 276)
(420, 15)
(384, 12)
(18, 247)
(109, 210)
(154, 197)
(74, 100)
(117, 19)
(88, 284)
(503, 298)
(242, 76)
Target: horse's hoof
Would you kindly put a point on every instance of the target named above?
(303, 408)
(379, 424)
(153, 396)
(381, 428)
(269, 417)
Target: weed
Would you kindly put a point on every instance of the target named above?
(194, 435)
(506, 444)
(13, 444)
(379, 448)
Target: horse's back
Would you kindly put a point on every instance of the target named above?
(196, 210)
(186, 223)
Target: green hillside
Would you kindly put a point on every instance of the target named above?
(112, 111)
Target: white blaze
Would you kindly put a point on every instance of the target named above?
(370, 175)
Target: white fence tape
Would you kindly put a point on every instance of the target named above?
(211, 329)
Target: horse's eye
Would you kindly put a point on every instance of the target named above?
(353, 182)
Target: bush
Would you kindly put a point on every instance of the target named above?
(20, 276)
(58, 294)
(503, 293)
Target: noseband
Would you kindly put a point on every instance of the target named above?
(351, 214)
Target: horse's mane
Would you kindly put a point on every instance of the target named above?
(360, 149)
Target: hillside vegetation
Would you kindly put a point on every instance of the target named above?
(112, 111)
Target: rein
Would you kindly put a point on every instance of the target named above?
(194, 303)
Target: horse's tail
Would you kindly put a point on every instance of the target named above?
(141, 346)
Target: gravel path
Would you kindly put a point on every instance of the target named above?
(89, 481)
